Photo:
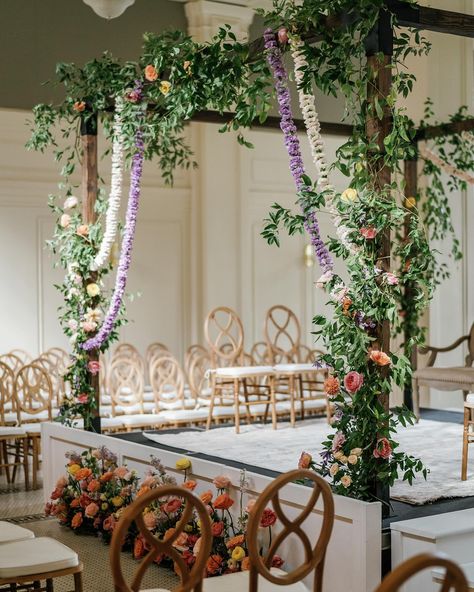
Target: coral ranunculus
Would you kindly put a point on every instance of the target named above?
(190, 484)
(91, 510)
(379, 357)
(223, 502)
(206, 497)
(151, 73)
(172, 505)
(353, 382)
(76, 520)
(383, 449)
(268, 518)
(331, 386)
(305, 460)
(235, 541)
(79, 106)
(217, 529)
(83, 474)
(214, 564)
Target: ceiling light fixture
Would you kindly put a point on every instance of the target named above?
(109, 9)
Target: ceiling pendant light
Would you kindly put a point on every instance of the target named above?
(109, 9)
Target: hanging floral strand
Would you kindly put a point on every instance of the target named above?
(113, 207)
(127, 242)
(293, 146)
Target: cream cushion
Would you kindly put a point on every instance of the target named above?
(11, 431)
(35, 556)
(243, 371)
(446, 379)
(11, 532)
(143, 419)
(294, 368)
(239, 582)
(179, 415)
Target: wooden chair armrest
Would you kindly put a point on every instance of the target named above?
(425, 349)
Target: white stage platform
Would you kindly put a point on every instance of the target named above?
(353, 561)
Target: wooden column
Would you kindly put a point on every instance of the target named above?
(89, 196)
(379, 50)
(411, 190)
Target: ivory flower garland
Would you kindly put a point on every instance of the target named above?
(113, 207)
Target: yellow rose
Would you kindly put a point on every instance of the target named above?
(238, 554)
(349, 195)
(346, 481)
(356, 451)
(183, 463)
(334, 469)
(104, 506)
(410, 202)
(93, 290)
(72, 469)
(165, 87)
(117, 501)
(352, 459)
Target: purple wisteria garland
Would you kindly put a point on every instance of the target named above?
(292, 143)
(127, 241)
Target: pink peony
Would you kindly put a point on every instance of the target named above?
(369, 233)
(222, 482)
(383, 449)
(89, 326)
(353, 382)
(91, 510)
(93, 366)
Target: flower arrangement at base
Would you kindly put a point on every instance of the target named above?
(93, 493)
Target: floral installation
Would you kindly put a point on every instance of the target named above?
(93, 493)
(113, 204)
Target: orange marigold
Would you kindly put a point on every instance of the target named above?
(331, 386)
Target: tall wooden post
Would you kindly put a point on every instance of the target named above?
(89, 196)
(379, 50)
(411, 190)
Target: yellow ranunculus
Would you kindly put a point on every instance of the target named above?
(183, 464)
(93, 290)
(410, 202)
(105, 506)
(188, 528)
(117, 501)
(165, 87)
(349, 195)
(238, 553)
(72, 469)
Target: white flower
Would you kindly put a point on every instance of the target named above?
(65, 220)
(73, 292)
(70, 202)
(73, 338)
(324, 279)
(72, 324)
(349, 195)
(93, 315)
(77, 279)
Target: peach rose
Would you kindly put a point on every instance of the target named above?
(82, 230)
(250, 505)
(76, 520)
(150, 520)
(151, 73)
(91, 510)
(79, 106)
(223, 502)
(379, 357)
(353, 381)
(181, 541)
(106, 476)
(369, 233)
(190, 484)
(65, 220)
(82, 474)
(222, 482)
(93, 485)
(120, 472)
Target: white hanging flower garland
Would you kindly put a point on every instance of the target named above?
(313, 131)
(113, 207)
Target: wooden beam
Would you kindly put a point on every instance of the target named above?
(89, 197)
(445, 129)
(432, 19)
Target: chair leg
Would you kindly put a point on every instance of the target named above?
(49, 586)
(5, 457)
(273, 402)
(26, 464)
(237, 406)
(17, 459)
(35, 461)
(211, 404)
(78, 581)
(416, 399)
(291, 389)
(465, 443)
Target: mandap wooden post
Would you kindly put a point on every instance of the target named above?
(411, 190)
(89, 196)
(379, 50)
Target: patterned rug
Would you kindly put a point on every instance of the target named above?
(438, 444)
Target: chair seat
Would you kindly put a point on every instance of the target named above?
(447, 379)
(184, 415)
(110, 423)
(32, 428)
(11, 532)
(295, 368)
(188, 404)
(35, 556)
(142, 419)
(243, 371)
(238, 582)
(10, 431)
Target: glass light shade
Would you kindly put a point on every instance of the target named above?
(109, 9)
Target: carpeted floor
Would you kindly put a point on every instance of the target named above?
(437, 443)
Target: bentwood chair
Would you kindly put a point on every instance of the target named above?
(13, 438)
(446, 572)
(24, 356)
(261, 558)
(191, 579)
(13, 361)
(228, 377)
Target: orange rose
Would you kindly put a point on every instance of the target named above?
(76, 520)
(223, 502)
(331, 386)
(214, 564)
(245, 564)
(79, 106)
(379, 357)
(206, 497)
(235, 541)
(94, 485)
(217, 529)
(82, 474)
(106, 476)
(151, 73)
(76, 502)
(190, 484)
(143, 489)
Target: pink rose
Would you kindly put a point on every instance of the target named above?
(93, 366)
(65, 220)
(82, 398)
(369, 233)
(109, 523)
(382, 449)
(89, 326)
(391, 278)
(305, 460)
(222, 482)
(150, 520)
(172, 506)
(61, 482)
(338, 441)
(283, 35)
(91, 510)
(353, 382)
(120, 472)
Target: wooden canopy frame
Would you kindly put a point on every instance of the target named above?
(380, 41)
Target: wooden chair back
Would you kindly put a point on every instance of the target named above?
(24, 356)
(54, 368)
(154, 350)
(282, 333)
(8, 401)
(190, 579)
(13, 361)
(224, 334)
(62, 357)
(314, 554)
(260, 354)
(470, 347)
(167, 380)
(126, 383)
(454, 578)
(193, 351)
(34, 391)
(197, 373)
